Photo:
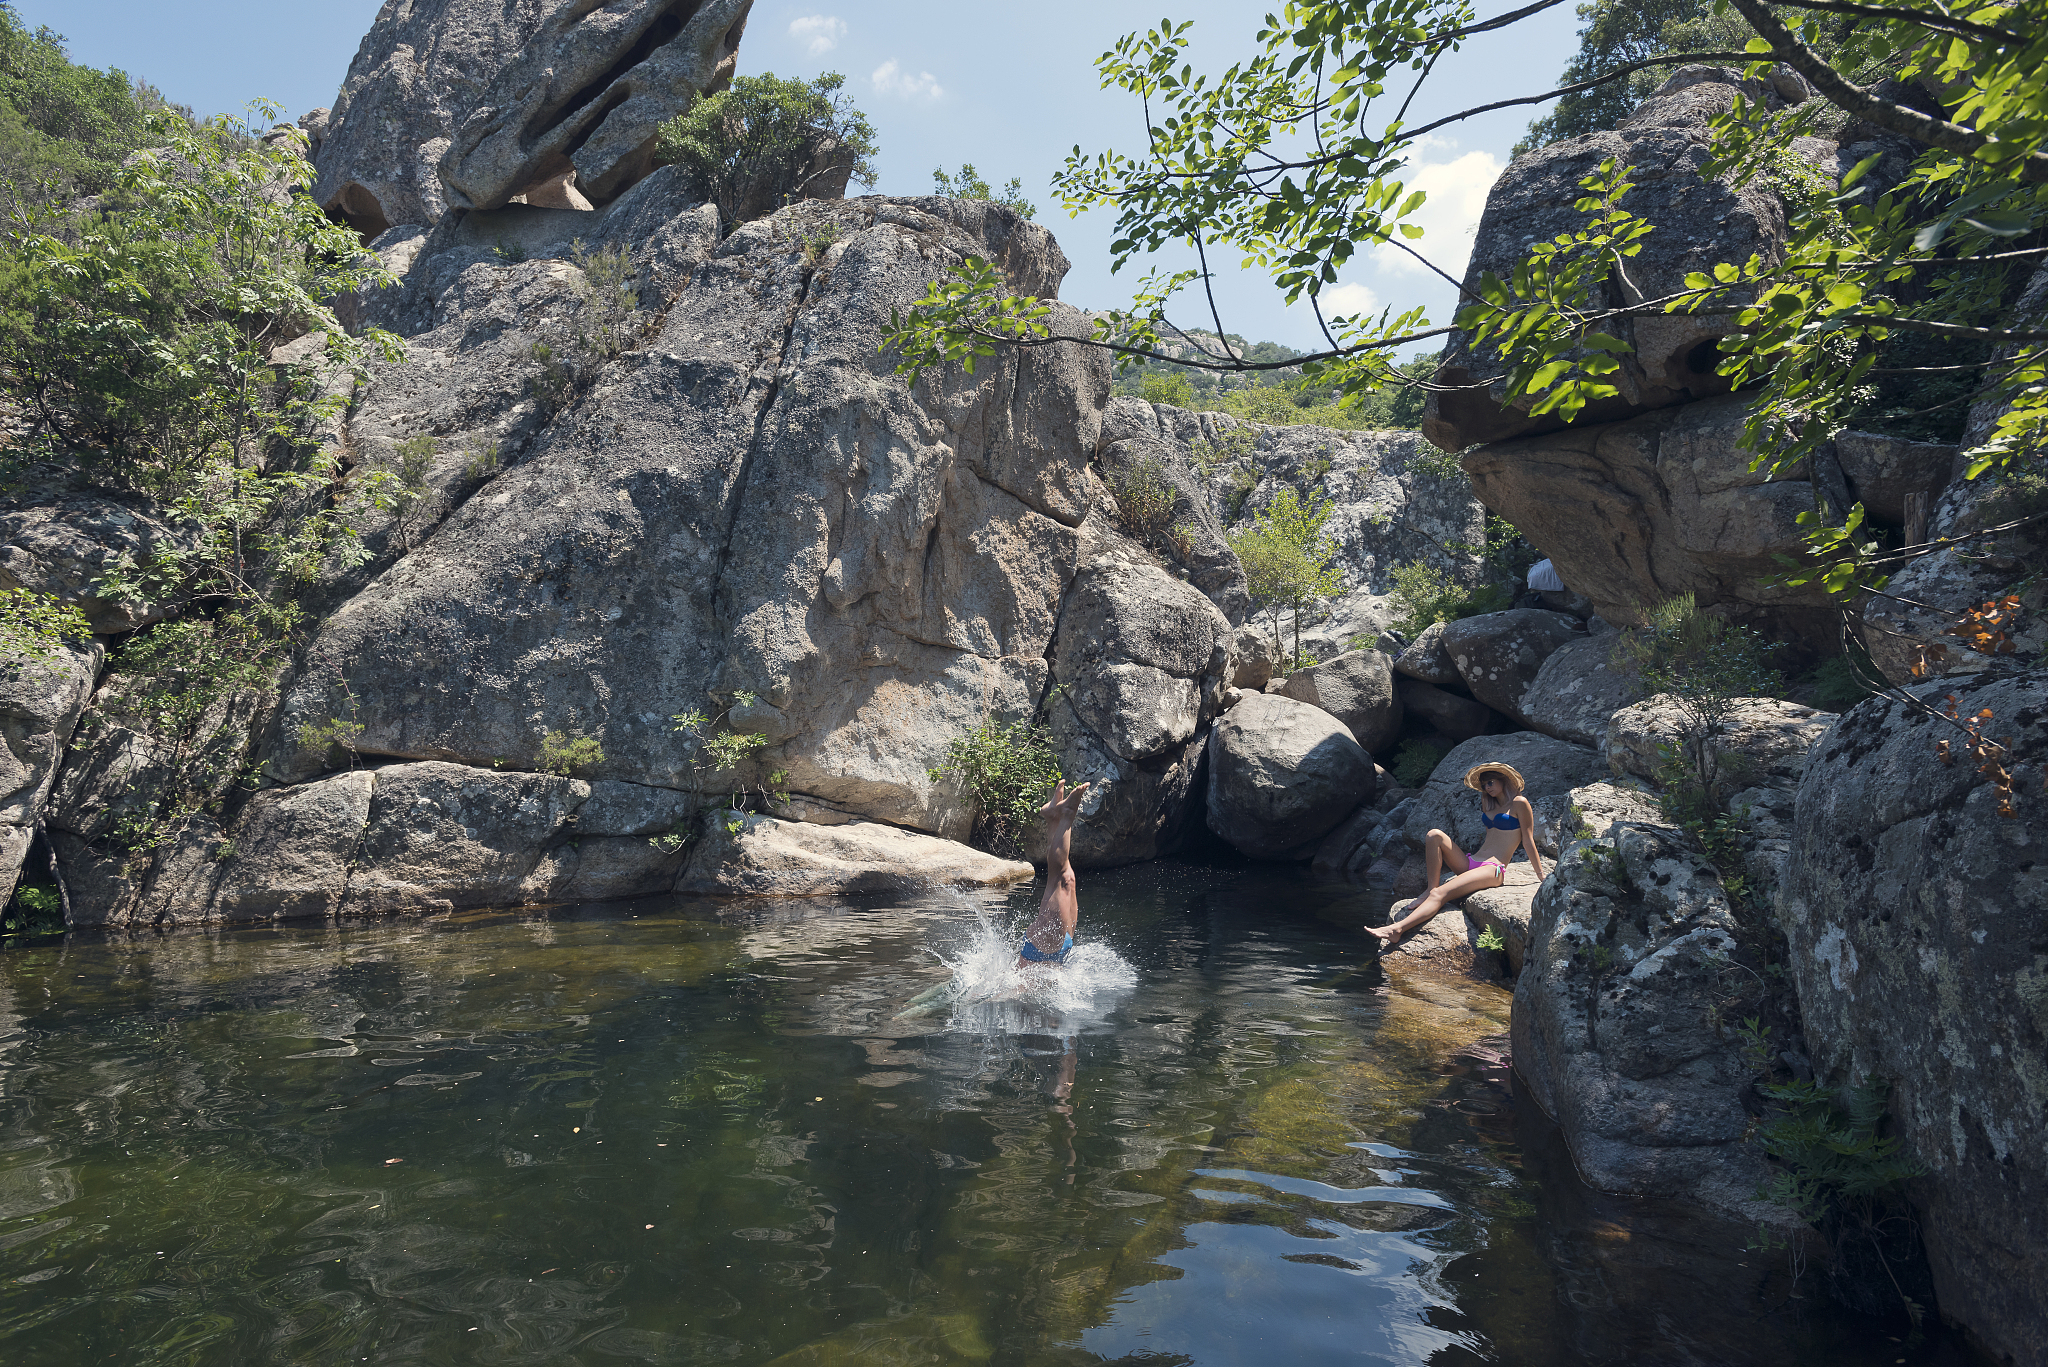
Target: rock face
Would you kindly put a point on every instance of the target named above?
(420, 70)
(770, 858)
(1389, 506)
(1699, 222)
(1638, 511)
(1452, 714)
(1934, 589)
(40, 702)
(400, 837)
(1613, 1028)
(1916, 920)
(1140, 662)
(63, 548)
(1766, 740)
(1281, 774)
(1578, 689)
(1357, 688)
(585, 94)
(1498, 654)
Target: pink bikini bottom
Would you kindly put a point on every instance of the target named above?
(1471, 864)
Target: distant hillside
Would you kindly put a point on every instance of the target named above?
(1278, 397)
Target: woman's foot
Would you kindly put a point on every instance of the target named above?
(1388, 935)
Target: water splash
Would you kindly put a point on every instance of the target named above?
(989, 992)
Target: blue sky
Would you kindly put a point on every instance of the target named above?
(1010, 89)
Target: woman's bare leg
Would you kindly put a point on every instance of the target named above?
(1430, 903)
(1440, 850)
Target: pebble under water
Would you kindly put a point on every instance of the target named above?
(690, 1132)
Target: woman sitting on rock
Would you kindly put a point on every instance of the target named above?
(1510, 824)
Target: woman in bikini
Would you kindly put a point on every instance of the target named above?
(1510, 825)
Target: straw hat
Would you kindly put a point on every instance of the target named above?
(1478, 772)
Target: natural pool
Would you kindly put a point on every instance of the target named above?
(680, 1132)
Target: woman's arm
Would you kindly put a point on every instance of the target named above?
(1527, 814)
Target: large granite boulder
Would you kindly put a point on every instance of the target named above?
(1140, 664)
(1699, 222)
(40, 703)
(1425, 659)
(1498, 654)
(421, 69)
(1907, 629)
(759, 856)
(1357, 688)
(1453, 715)
(1592, 812)
(1549, 767)
(1765, 740)
(1917, 926)
(1578, 689)
(1281, 774)
(402, 837)
(1615, 1031)
(1638, 511)
(585, 94)
(63, 547)
(752, 507)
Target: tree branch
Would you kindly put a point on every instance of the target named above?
(1626, 69)
(1941, 23)
(1857, 100)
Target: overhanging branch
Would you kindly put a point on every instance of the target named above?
(1922, 128)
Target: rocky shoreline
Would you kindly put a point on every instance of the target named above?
(745, 515)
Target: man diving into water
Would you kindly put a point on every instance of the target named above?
(1051, 936)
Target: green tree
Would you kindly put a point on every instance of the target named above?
(1168, 389)
(757, 144)
(1942, 254)
(1707, 668)
(1290, 562)
(137, 335)
(64, 128)
(969, 185)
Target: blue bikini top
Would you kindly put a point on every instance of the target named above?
(1502, 821)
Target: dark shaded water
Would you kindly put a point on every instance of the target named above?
(659, 1133)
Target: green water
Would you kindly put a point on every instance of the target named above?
(678, 1132)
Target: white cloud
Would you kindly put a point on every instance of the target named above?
(1348, 299)
(1449, 218)
(819, 33)
(891, 79)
